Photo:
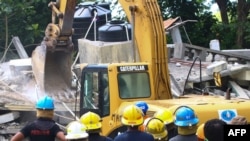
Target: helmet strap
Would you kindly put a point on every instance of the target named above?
(187, 130)
(94, 130)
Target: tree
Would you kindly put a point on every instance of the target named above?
(199, 33)
(228, 8)
(23, 19)
(222, 4)
(242, 13)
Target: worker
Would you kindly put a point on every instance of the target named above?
(214, 129)
(186, 122)
(167, 117)
(94, 126)
(44, 127)
(156, 127)
(144, 107)
(200, 132)
(132, 117)
(76, 131)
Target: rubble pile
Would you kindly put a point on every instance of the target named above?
(18, 85)
(238, 76)
(12, 86)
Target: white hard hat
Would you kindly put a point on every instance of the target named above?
(76, 130)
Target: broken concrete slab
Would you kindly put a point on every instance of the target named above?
(18, 65)
(216, 67)
(243, 73)
(238, 90)
(242, 52)
(8, 117)
(19, 47)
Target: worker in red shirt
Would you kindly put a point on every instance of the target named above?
(44, 127)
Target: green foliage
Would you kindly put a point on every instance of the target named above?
(25, 19)
(197, 33)
(226, 34)
(200, 32)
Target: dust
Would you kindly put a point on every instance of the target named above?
(18, 85)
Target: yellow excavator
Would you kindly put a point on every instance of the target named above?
(107, 88)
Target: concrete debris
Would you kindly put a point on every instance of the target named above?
(238, 74)
(17, 82)
(8, 117)
(19, 47)
(19, 65)
(216, 67)
(178, 64)
(240, 92)
(18, 86)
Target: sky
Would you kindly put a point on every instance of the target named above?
(214, 8)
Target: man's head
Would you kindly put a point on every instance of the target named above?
(165, 115)
(213, 129)
(143, 106)
(132, 116)
(156, 127)
(45, 107)
(185, 117)
(92, 122)
(76, 131)
(186, 120)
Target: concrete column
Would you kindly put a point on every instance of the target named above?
(179, 49)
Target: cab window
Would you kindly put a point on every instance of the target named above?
(91, 91)
(133, 85)
(96, 92)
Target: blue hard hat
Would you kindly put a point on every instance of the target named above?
(45, 103)
(185, 116)
(143, 106)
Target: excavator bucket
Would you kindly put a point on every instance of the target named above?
(52, 70)
(51, 61)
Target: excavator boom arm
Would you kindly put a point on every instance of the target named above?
(65, 15)
(150, 39)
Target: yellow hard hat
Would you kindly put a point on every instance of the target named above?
(132, 116)
(156, 127)
(91, 120)
(76, 130)
(200, 132)
(165, 115)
